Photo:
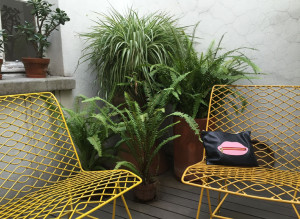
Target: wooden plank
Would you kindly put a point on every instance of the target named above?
(156, 209)
(277, 207)
(193, 205)
(121, 211)
(169, 180)
(180, 210)
(255, 207)
(252, 207)
(104, 212)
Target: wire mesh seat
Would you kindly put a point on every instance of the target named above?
(40, 173)
(272, 115)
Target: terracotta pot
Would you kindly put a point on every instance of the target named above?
(159, 164)
(145, 193)
(1, 62)
(36, 67)
(188, 149)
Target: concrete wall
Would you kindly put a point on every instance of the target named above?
(270, 26)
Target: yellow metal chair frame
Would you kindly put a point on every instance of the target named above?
(40, 173)
(271, 113)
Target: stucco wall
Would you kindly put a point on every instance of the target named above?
(270, 26)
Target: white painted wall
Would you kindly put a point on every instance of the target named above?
(270, 26)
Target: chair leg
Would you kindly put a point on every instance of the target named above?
(217, 209)
(296, 211)
(126, 207)
(114, 209)
(219, 196)
(125, 204)
(219, 199)
(199, 204)
(114, 203)
(294, 206)
(209, 203)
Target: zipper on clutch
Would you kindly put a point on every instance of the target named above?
(232, 148)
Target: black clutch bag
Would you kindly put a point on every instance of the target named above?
(229, 149)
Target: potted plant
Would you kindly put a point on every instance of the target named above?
(192, 94)
(46, 21)
(91, 134)
(140, 127)
(121, 49)
(3, 39)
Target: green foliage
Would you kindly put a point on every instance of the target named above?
(125, 46)
(192, 94)
(47, 20)
(3, 39)
(90, 131)
(140, 127)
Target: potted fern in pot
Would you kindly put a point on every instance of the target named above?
(193, 92)
(140, 127)
(47, 20)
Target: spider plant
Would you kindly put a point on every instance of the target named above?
(121, 46)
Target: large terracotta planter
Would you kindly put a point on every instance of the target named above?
(36, 67)
(188, 149)
(1, 62)
(145, 193)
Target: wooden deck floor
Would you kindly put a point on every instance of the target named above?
(179, 201)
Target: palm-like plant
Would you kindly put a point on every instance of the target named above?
(121, 46)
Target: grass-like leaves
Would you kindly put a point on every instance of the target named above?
(126, 45)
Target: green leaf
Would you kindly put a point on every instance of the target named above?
(95, 141)
(129, 165)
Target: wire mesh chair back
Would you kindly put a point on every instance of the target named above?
(272, 115)
(35, 146)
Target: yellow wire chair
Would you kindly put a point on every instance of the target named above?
(40, 173)
(272, 115)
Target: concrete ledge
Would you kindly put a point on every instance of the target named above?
(17, 84)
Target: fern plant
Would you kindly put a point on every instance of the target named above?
(121, 46)
(90, 133)
(140, 127)
(192, 94)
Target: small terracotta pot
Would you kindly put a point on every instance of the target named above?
(36, 67)
(145, 193)
(188, 149)
(1, 62)
(159, 163)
